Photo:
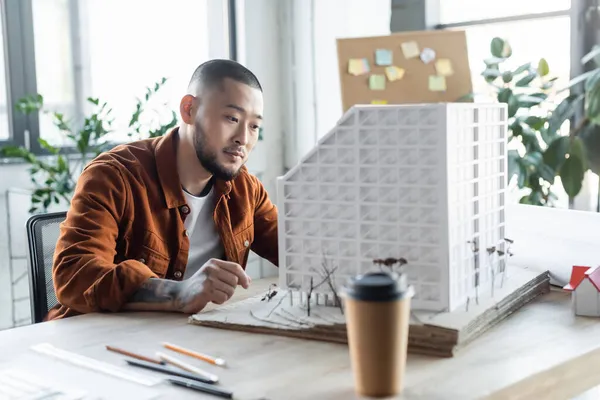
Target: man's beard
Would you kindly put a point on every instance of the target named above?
(209, 159)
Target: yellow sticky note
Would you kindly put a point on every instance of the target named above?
(443, 66)
(410, 49)
(377, 82)
(394, 73)
(378, 101)
(358, 66)
(437, 83)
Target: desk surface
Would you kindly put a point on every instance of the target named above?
(541, 335)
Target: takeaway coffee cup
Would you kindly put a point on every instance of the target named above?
(377, 309)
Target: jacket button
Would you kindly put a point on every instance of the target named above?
(178, 274)
(185, 209)
(142, 261)
(246, 243)
(186, 233)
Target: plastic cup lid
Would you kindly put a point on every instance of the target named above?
(378, 286)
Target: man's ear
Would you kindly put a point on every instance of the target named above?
(187, 109)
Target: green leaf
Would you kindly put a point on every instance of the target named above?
(527, 101)
(546, 173)
(592, 103)
(577, 149)
(590, 135)
(522, 69)
(62, 164)
(513, 106)
(522, 176)
(593, 54)
(543, 69)
(497, 47)
(535, 122)
(555, 154)
(532, 159)
(565, 110)
(493, 61)
(579, 79)
(507, 76)
(513, 163)
(504, 94)
(530, 139)
(526, 80)
(571, 175)
(45, 145)
(491, 73)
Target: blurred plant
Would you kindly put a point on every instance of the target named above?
(53, 176)
(538, 152)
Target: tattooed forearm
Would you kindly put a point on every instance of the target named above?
(155, 294)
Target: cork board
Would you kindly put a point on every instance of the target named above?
(417, 67)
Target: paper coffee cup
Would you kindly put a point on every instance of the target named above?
(377, 310)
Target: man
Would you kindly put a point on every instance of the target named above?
(167, 224)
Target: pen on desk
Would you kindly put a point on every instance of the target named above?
(187, 367)
(202, 387)
(212, 360)
(167, 370)
(133, 355)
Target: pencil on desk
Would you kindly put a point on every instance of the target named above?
(187, 367)
(133, 355)
(212, 360)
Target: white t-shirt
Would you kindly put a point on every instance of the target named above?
(205, 242)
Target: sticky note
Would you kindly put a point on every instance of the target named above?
(437, 83)
(377, 82)
(394, 73)
(443, 66)
(358, 66)
(379, 102)
(427, 55)
(383, 57)
(410, 49)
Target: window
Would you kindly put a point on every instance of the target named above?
(535, 29)
(54, 64)
(457, 11)
(530, 40)
(113, 50)
(4, 121)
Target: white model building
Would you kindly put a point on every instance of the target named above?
(425, 182)
(585, 288)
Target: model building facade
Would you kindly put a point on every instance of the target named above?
(422, 182)
(585, 287)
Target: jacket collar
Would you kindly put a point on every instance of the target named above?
(166, 166)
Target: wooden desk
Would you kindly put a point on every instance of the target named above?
(542, 335)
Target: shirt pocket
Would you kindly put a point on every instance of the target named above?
(149, 250)
(242, 241)
(157, 262)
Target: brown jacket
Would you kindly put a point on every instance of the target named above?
(125, 225)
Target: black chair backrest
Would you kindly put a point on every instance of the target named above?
(42, 234)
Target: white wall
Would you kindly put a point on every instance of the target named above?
(310, 66)
(260, 52)
(13, 176)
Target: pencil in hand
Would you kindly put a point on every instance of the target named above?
(206, 358)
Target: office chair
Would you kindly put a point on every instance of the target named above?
(42, 235)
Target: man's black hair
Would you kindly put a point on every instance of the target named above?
(213, 72)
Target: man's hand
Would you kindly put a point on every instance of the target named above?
(214, 282)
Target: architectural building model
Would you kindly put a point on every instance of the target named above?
(422, 182)
(585, 288)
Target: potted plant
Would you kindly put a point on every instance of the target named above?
(538, 150)
(54, 176)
